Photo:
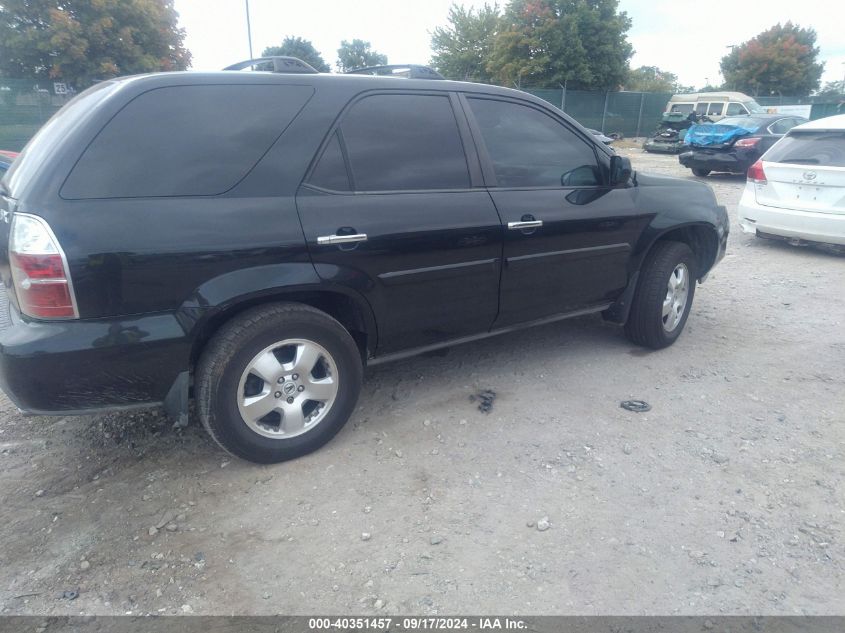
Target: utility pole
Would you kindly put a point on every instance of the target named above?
(248, 29)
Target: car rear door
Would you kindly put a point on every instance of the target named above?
(805, 171)
(395, 209)
(568, 234)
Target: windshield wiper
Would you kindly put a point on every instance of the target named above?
(798, 159)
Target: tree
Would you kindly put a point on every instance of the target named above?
(708, 87)
(781, 60)
(82, 41)
(358, 54)
(578, 43)
(462, 48)
(833, 89)
(652, 79)
(301, 49)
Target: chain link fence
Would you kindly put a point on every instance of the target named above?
(638, 113)
(25, 105)
(623, 113)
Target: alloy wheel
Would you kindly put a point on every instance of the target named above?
(288, 388)
(677, 292)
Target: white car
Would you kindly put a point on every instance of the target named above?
(797, 188)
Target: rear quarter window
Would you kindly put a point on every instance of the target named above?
(42, 146)
(184, 141)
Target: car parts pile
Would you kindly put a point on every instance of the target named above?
(669, 136)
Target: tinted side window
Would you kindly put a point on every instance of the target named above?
(686, 108)
(716, 109)
(330, 172)
(531, 149)
(701, 108)
(735, 109)
(404, 142)
(184, 141)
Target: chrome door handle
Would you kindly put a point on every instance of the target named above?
(530, 224)
(342, 239)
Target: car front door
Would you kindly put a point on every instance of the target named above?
(395, 209)
(568, 233)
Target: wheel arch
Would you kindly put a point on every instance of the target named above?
(351, 311)
(702, 238)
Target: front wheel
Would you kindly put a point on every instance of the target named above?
(664, 295)
(701, 173)
(278, 382)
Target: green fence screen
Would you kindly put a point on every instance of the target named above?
(25, 106)
(638, 113)
(624, 113)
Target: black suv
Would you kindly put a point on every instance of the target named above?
(253, 239)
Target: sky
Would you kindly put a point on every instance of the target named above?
(682, 36)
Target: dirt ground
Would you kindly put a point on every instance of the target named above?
(727, 497)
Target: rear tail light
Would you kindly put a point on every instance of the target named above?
(756, 173)
(39, 270)
(747, 142)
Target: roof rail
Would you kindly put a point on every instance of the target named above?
(281, 64)
(410, 71)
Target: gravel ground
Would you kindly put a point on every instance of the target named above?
(727, 497)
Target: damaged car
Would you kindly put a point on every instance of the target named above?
(669, 136)
(733, 144)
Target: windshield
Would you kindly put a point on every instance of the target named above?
(754, 107)
(810, 148)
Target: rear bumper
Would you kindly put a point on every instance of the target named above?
(733, 160)
(812, 226)
(67, 367)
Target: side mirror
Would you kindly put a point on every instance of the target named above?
(620, 170)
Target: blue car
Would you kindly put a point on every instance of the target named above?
(734, 143)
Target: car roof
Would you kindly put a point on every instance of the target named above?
(835, 122)
(692, 97)
(760, 121)
(363, 82)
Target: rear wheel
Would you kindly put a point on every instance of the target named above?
(278, 382)
(701, 173)
(665, 291)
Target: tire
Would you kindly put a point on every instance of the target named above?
(647, 323)
(250, 366)
(701, 173)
